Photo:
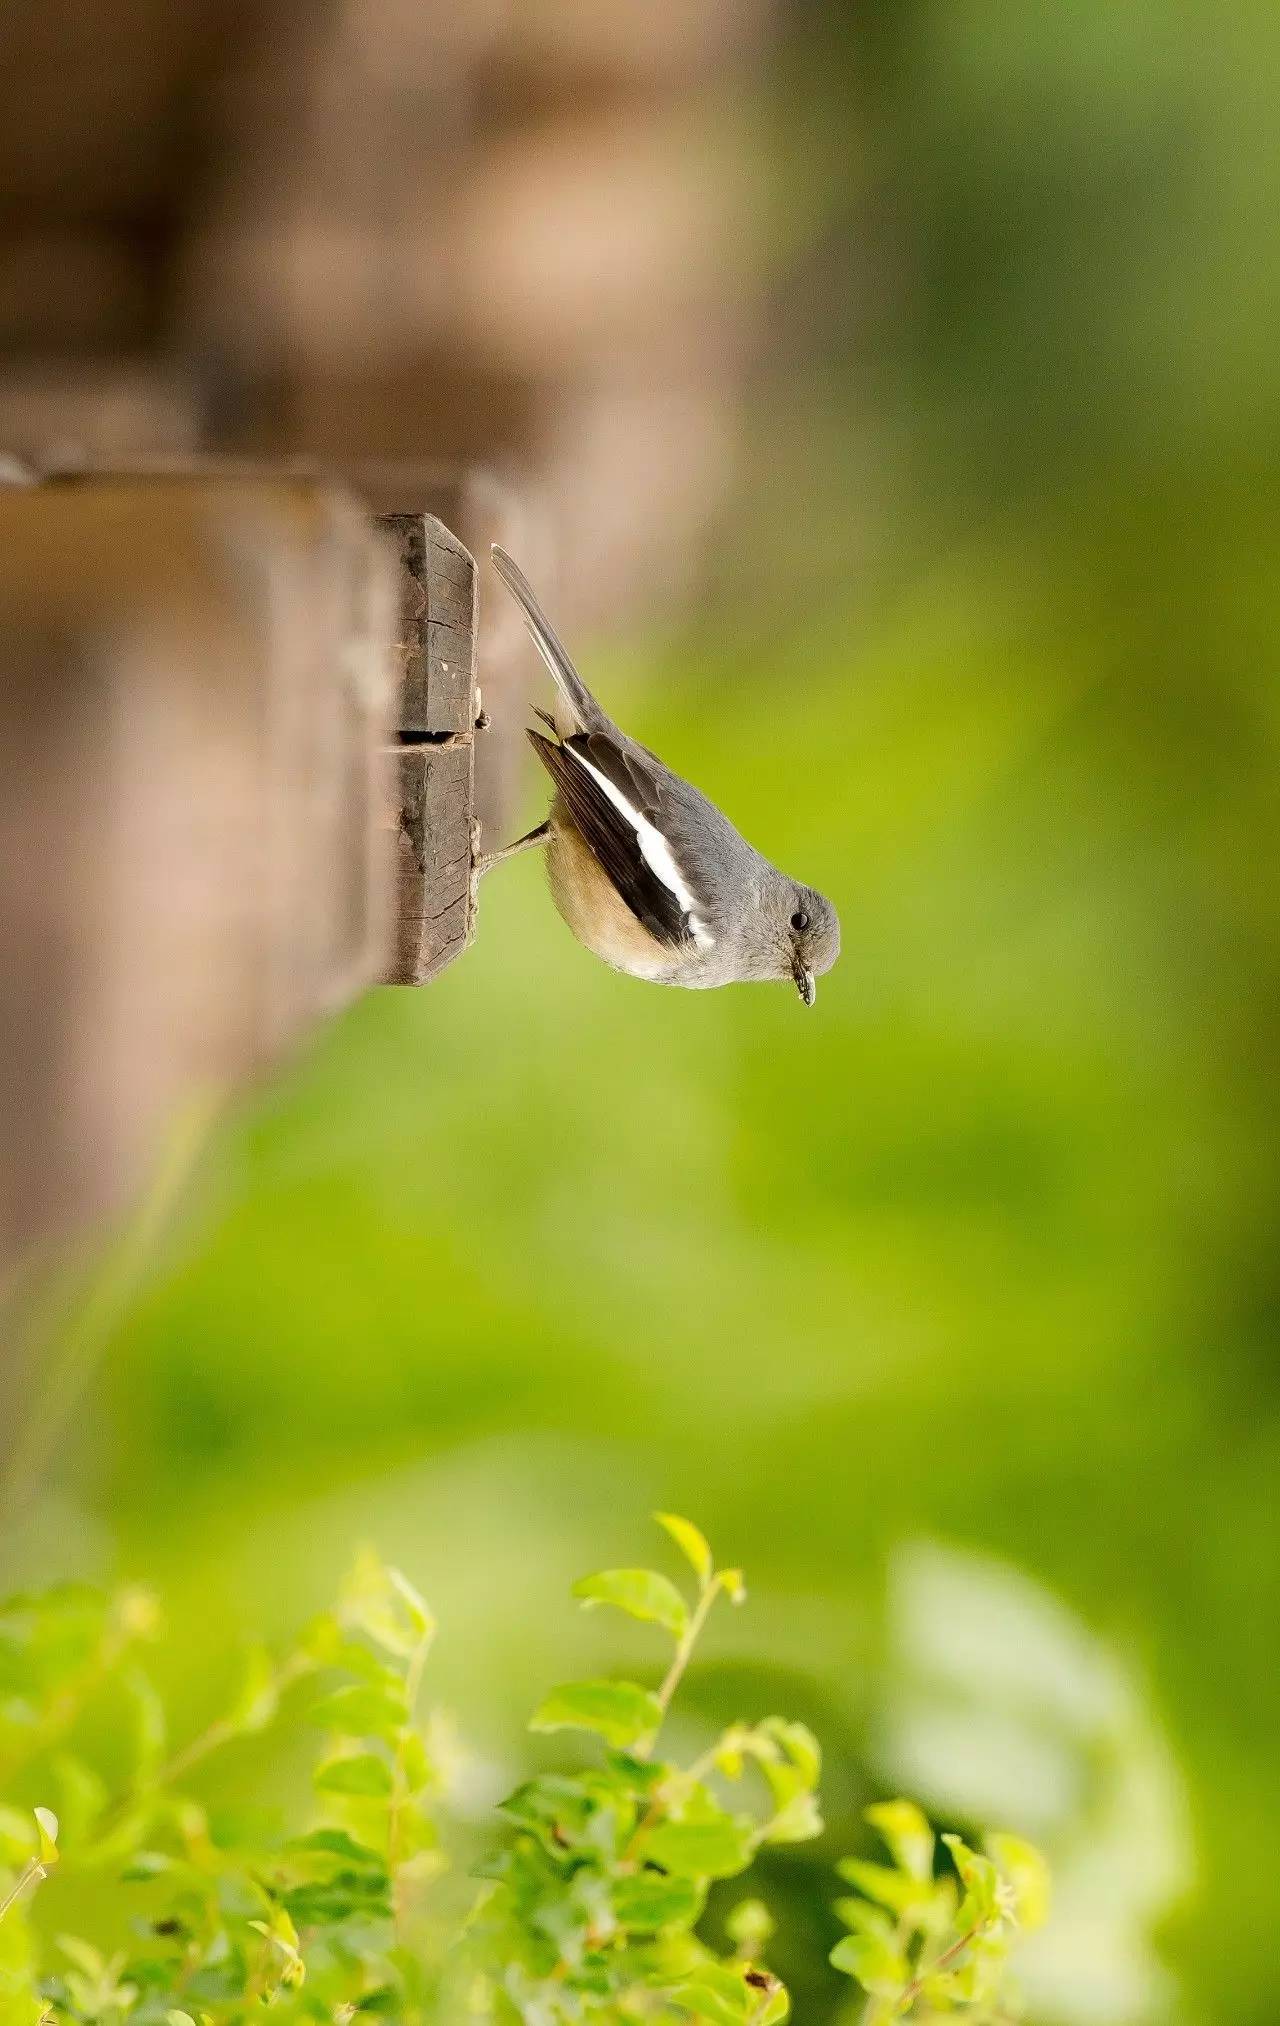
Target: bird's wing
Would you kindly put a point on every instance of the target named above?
(583, 705)
(615, 800)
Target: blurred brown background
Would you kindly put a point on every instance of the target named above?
(502, 236)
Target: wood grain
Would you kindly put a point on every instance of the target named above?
(423, 786)
(436, 662)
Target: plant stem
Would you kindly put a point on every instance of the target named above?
(671, 1682)
(199, 1748)
(31, 1874)
(222, 1730)
(918, 1982)
(684, 1647)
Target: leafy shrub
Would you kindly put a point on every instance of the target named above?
(585, 1907)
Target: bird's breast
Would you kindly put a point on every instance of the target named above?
(595, 911)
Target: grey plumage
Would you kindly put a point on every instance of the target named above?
(646, 871)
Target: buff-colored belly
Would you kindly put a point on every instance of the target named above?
(593, 908)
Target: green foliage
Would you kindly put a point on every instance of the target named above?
(596, 1900)
(924, 1942)
(206, 1913)
(191, 1910)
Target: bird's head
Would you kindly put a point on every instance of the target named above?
(809, 928)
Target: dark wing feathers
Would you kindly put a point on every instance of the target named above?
(640, 785)
(612, 839)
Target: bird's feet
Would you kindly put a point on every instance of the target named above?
(482, 862)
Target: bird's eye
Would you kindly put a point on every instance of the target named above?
(800, 920)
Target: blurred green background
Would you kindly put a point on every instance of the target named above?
(959, 1295)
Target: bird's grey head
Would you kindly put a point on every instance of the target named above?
(804, 934)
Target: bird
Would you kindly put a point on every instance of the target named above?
(644, 869)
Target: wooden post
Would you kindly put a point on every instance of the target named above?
(446, 787)
(238, 744)
(436, 656)
(194, 723)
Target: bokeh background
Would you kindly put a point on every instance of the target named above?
(949, 1310)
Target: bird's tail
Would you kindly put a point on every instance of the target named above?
(572, 688)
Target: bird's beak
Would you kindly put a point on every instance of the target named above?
(805, 985)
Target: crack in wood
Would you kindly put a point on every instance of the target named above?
(434, 752)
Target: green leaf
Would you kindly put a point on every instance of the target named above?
(570, 1816)
(335, 1878)
(692, 1544)
(800, 1746)
(633, 1775)
(360, 1773)
(383, 1998)
(777, 2009)
(798, 1822)
(361, 1712)
(865, 1918)
(259, 1697)
(894, 1889)
(47, 1833)
(973, 1979)
(750, 1926)
(417, 1839)
(641, 1593)
(875, 1964)
(339, 1844)
(649, 1902)
(86, 1958)
(905, 1829)
(414, 1606)
(716, 1847)
(326, 1905)
(1026, 1874)
(385, 1606)
(730, 1994)
(715, 1997)
(948, 1988)
(618, 1711)
(354, 1658)
(791, 1761)
(980, 1880)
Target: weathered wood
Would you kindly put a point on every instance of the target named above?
(436, 660)
(193, 718)
(479, 507)
(428, 793)
(438, 629)
(438, 655)
(433, 861)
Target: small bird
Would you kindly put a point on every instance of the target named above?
(645, 870)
